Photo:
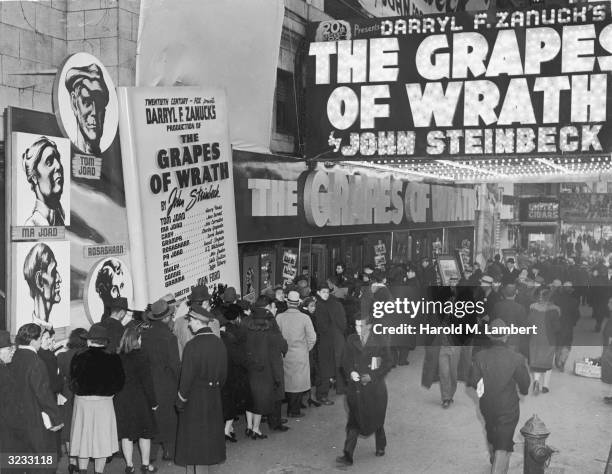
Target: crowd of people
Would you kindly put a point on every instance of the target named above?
(176, 377)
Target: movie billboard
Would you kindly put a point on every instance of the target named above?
(177, 163)
(523, 83)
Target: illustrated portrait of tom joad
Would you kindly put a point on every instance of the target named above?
(44, 298)
(41, 185)
(109, 279)
(86, 104)
(88, 99)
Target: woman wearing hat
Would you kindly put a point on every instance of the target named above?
(496, 374)
(136, 402)
(95, 377)
(161, 347)
(264, 348)
(236, 393)
(12, 432)
(546, 317)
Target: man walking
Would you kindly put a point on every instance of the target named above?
(496, 373)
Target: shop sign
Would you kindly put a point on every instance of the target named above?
(177, 167)
(547, 211)
(527, 82)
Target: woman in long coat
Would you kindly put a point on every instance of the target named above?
(136, 402)
(366, 361)
(546, 317)
(161, 347)
(264, 344)
(200, 440)
(298, 331)
(236, 393)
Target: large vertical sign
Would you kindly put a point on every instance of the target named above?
(520, 83)
(177, 166)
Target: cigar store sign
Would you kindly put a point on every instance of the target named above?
(524, 82)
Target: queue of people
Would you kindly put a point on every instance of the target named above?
(177, 376)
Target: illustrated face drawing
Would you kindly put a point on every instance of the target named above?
(41, 274)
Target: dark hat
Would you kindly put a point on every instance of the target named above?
(159, 310)
(119, 303)
(279, 287)
(229, 295)
(244, 305)
(269, 292)
(97, 331)
(324, 286)
(90, 77)
(200, 313)
(497, 323)
(378, 275)
(510, 260)
(5, 339)
(232, 312)
(198, 293)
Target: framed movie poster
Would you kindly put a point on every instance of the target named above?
(40, 180)
(41, 289)
(109, 278)
(448, 270)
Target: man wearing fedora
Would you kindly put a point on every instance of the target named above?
(298, 331)
(161, 347)
(95, 377)
(200, 438)
(12, 429)
(496, 374)
(114, 323)
(199, 296)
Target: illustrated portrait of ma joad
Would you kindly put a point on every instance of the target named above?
(41, 184)
(43, 289)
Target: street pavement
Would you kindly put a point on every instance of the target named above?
(423, 437)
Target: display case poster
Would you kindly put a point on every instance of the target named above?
(250, 277)
(177, 167)
(448, 270)
(289, 265)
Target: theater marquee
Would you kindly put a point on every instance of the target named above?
(526, 82)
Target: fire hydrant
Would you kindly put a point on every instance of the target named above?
(536, 454)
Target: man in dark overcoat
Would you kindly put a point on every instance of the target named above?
(200, 438)
(366, 361)
(33, 390)
(161, 347)
(330, 325)
(496, 373)
(12, 430)
(512, 313)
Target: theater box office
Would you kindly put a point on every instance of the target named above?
(293, 214)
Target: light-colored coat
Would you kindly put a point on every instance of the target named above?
(298, 331)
